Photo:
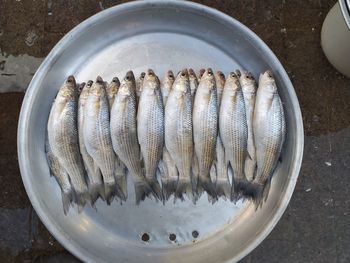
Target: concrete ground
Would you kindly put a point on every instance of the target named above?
(314, 228)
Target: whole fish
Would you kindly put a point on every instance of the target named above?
(248, 85)
(63, 138)
(139, 83)
(95, 183)
(222, 183)
(124, 134)
(120, 168)
(150, 129)
(166, 85)
(61, 176)
(178, 132)
(234, 132)
(205, 130)
(112, 90)
(269, 128)
(193, 83)
(97, 138)
(168, 172)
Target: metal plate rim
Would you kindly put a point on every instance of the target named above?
(55, 53)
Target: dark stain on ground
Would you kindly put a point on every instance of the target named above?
(314, 228)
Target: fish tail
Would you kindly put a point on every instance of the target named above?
(96, 190)
(81, 198)
(156, 189)
(169, 187)
(142, 190)
(122, 185)
(111, 191)
(239, 187)
(223, 188)
(67, 198)
(205, 184)
(184, 186)
(255, 191)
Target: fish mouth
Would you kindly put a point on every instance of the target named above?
(71, 79)
(150, 73)
(233, 75)
(170, 74)
(210, 72)
(89, 83)
(201, 72)
(220, 74)
(129, 76)
(184, 73)
(269, 73)
(99, 80)
(248, 76)
(116, 80)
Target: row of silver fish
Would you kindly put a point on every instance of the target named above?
(180, 136)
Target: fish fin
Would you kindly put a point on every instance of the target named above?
(169, 187)
(238, 188)
(156, 189)
(111, 191)
(98, 173)
(205, 184)
(120, 171)
(247, 155)
(81, 199)
(184, 186)
(122, 183)
(255, 191)
(67, 198)
(267, 188)
(213, 173)
(142, 190)
(280, 159)
(223, 188)
(96, 190)
(213, 177)
(48, 154)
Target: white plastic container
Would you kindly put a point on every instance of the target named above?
(335, 36)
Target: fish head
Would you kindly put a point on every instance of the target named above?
(142, 77)
(267, 82)
(248, 82)
(192, 74)
(113, 87)
(98, 88)
(69, 90)
(201, 72)
(181, 83)
(208, 81)
(128, 84)
(232, 83)
(220, 79)
(89, 84)
(80, 87)
(151, 82)
(169, 76)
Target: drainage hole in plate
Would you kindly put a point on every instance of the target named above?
(172, 237)
(195, 233)
(145, 237)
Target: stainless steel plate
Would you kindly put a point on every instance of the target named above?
(159, 35)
